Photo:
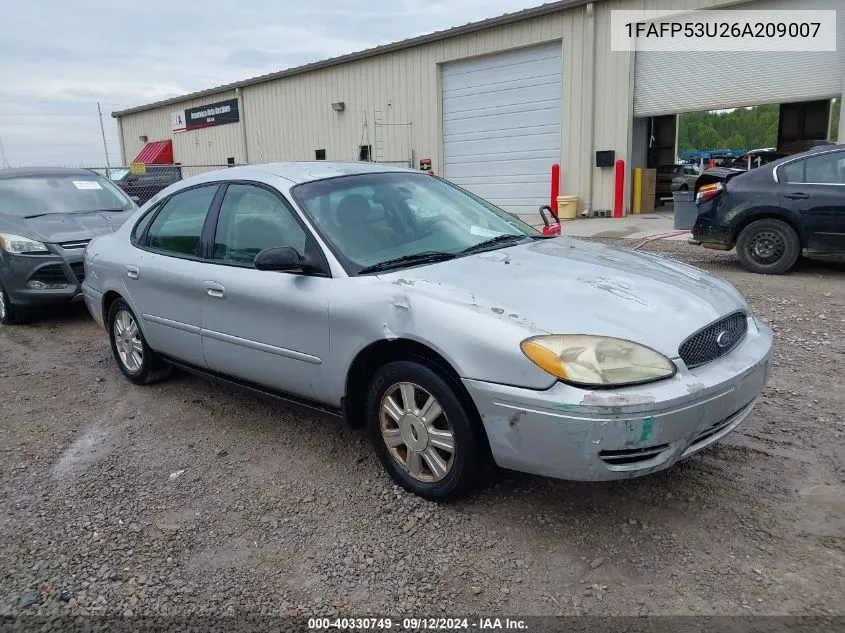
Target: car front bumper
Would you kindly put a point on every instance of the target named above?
(61, 268)
(571, 433)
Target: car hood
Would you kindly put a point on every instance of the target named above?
(66, 227)
(570, 286)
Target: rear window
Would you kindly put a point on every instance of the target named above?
(35, 195)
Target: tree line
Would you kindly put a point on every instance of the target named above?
(742, 128)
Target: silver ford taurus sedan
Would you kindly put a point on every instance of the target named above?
(446, 327)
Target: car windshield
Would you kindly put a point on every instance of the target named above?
(369, 219)
(77, 193)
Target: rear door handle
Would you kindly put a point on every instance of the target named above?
(133, 272)
(796, 196)
(215, 289)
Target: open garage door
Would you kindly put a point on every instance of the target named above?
(688, 81)
(501, 125)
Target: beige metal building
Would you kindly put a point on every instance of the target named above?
(492, 104)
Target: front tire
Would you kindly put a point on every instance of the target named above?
(768, 247)
(138, 362)
(9, 314)
(422, 432)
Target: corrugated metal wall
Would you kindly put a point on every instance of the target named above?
(290, 118)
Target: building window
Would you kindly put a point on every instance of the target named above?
(319, 154)
(366, 153)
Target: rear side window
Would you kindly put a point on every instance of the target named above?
(177, 228)
(827, 169)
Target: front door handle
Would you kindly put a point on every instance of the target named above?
(796, 196)
(215, 289)
(133, 272)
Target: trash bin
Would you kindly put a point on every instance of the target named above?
(567, 207)
(686, 210)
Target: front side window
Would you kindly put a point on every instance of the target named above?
(253, 219)
(177, 228)
(826, 169)
(373, 218)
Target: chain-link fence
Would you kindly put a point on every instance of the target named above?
(141, 185)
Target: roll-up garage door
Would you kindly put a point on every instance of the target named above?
(501, 125)
(687, 81)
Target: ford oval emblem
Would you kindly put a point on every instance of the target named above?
(724, 339)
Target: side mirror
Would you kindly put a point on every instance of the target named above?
(278, 258)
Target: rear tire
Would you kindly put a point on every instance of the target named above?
(138, 362)
(422, 432)
(768, 247)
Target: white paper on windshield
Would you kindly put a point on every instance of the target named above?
(482, 232)
(86, 184)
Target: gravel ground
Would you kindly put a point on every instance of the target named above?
(186, 498)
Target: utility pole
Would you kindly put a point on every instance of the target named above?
(105, 147)
(3, 154)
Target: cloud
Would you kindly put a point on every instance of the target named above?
(60, 58)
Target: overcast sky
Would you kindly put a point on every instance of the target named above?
(59, 58)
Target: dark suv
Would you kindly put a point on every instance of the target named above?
(47, 218)
(142, 187)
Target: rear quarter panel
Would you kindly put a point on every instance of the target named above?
(752, 197)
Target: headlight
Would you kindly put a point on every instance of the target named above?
(597, 361)
(18, 245)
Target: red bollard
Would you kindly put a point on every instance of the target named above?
(555, 186)
(620, 188)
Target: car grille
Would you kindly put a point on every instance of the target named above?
(78, 269)
(52, 274)
(714, 341)
(75, 245)
(631, 456)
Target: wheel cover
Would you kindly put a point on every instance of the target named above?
(417, 432)
(127, 340)
(767, 246)
(2, 304)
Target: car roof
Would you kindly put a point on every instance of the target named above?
(822, 148)
(297, 172)
(29, 172)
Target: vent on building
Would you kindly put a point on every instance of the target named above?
(319, 154)
(366, 153)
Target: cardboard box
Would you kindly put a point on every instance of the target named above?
(649, 191)
(649, 182)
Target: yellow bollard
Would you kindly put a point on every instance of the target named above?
(638, 189)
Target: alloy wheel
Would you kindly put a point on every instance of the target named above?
(2, 304)
(417, 432)
(127, 340)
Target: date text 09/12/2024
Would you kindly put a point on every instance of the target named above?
(417, 624)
